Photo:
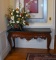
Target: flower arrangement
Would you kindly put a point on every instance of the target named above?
(17, 18)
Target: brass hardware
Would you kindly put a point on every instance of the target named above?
(49, 18)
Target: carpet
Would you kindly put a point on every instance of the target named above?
(39, 56)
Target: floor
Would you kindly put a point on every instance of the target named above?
(21, 53)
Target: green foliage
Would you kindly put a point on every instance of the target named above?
(17, 17)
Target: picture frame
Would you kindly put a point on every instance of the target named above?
(36, 17)
(38, 10)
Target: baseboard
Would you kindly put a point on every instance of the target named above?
(5, 52)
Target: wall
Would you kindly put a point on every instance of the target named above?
(4, 46)
(13, 3)
(49, 24)
(55, 17)
(3, 10)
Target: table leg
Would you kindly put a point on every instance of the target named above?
(10, 42)
(14, 42)
(48, 42)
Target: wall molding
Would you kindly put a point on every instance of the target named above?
(3, 31)
(5, 52)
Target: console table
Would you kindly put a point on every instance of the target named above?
(29, 33)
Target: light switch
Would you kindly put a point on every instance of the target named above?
(49, 18)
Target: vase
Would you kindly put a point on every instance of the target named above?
(21, 27)
(15, 26)
(18, 27)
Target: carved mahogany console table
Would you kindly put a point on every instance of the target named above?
(29, 33)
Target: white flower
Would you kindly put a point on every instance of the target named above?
(12, 17)
(17, 11)
(23, 22)
(16, 15)
(35, 1)
(10, 21)
(20, 15)
(13, 10)
(26, 14)
(12, 13)
(13, 22)
(17, 21)
(31, 0)
(26, 4)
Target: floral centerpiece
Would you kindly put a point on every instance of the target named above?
(17, 18)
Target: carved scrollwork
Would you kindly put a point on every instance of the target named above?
(28, 36)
